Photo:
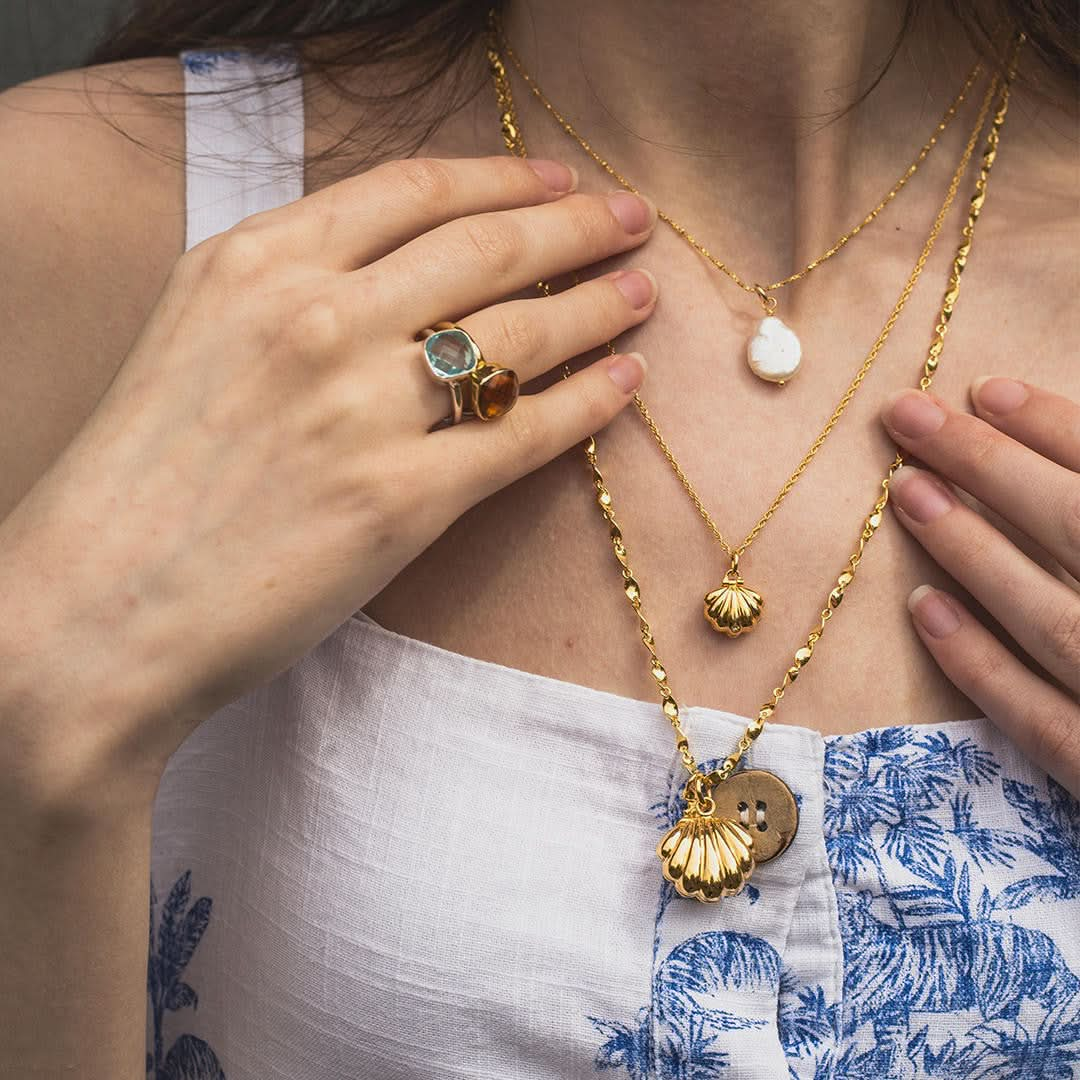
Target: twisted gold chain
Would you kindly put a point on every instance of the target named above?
(761, 291)
(872, 522)
(514, 140)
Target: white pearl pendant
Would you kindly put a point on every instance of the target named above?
(774, 352)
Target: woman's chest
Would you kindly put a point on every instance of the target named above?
(528, 578)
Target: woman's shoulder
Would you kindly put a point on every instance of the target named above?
(91, 222)
(94, 145)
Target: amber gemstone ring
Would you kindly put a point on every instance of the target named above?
(452, 358)
(494, 391)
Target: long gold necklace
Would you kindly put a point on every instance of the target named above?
(711, 851)
(734, 607)
(774, 352)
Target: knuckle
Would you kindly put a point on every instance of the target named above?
(429, 179)
(239, 253)
(982, 446)
(593, 223)
(595, 406)
(1062, 636)
(519, 335)
(978, 546)
(1070, 521)
(315, 325)
(975, 667)
(515, 173)
(1056, 732)
(332, 206)
(497, 244)
(522, 430)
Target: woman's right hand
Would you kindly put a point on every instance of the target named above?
(262, 464)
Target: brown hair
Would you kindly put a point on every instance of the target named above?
(425, 39)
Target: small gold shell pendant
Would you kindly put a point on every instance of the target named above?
(734, 607)
(707, 856)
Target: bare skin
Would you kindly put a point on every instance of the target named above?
(548, 597)
(542, 591)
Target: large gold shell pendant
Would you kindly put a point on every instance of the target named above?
(734, 607)
(728, 828)
(706, 857)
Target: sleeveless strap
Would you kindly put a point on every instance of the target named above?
(245, 141)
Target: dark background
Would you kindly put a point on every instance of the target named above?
(39, 36)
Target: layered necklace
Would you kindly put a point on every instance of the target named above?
(774, 352)
(724, 830)
(734, 607)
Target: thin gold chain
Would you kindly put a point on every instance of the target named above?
(872, 522)
(855, 383)
(761, 291)
(870, 525)
(514, 141)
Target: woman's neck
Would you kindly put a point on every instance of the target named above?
(743, 104)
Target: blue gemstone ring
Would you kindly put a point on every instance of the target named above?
(454, 359)
(451, 357)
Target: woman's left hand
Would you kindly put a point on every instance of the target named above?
(1020, 457)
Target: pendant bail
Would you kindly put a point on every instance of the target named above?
(697, 787)
(767, 302)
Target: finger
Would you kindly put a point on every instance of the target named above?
(1039, 612)
(538, 334)
(357, 220)
(1048, 423)
(539, 428)
(475, 261)
(533, 336)
(1038, 717)
(1039, 497)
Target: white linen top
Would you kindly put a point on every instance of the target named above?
(353, 879)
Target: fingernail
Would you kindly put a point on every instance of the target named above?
(997, 395)
(914, 415)
(638, 286)
(933, 611)
(627, 371)
(559, 177)
(920, 495)
(635, 213)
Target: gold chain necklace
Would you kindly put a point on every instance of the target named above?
(774, 353)
(711, 852)
(734, 607)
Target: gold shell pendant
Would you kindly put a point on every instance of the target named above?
(734, 607)
(706, 857)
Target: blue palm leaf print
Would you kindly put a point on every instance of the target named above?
(942, 947)
(975, 763)
(684, 990)
(191, 1059)
(1051, 1052)
(203, 61)
(804, 1019)
(941, 982)
(714, 960)
(988, 846)
(1056, 840)
(206, 61)
(173, 942)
